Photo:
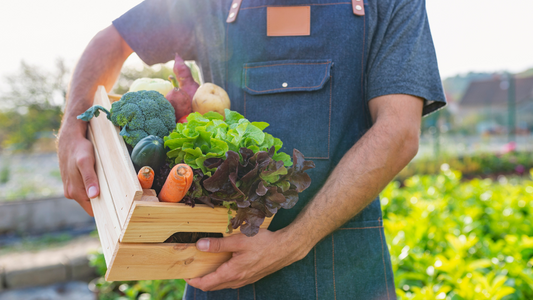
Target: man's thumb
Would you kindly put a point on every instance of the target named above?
(210, 245)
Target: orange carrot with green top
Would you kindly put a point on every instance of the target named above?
(177, 184)
(146, 177)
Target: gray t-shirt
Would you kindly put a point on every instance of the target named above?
(400, 56)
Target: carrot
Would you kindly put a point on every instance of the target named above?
(146, 177)
(177, 184)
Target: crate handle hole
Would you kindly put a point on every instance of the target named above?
(191, 237)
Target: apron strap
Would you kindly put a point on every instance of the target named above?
(234, 11)
(358, 7)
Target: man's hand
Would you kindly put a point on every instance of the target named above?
(76, 163)
(253, 258)
(99, 64)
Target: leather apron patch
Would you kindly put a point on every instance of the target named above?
(289, 21)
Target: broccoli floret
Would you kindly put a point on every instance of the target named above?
(139, 114)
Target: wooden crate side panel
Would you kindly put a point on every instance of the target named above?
(105, 216)
(117, 165)
(105, 192)
(156, 222)
(162, 261)
(113, 97)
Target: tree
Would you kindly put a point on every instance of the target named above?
(31, 107)
(33, 86)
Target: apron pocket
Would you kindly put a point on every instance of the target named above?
(294, 97)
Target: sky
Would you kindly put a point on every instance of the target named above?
(469, 35)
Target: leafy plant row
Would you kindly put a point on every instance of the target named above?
(460, 240)
(475, 165)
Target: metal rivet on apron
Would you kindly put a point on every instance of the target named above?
(358, 7)
(231, 15)
(284, 84)
(235, 5)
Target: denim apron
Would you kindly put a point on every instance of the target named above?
(310, 89)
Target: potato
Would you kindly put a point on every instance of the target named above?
(210, 97)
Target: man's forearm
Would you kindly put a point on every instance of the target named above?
(358, 178)
(100, 64)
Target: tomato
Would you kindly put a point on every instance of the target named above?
(183, 119)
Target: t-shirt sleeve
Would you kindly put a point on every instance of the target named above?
(157, 29)
(401, 54)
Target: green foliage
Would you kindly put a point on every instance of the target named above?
(33, 86)
(139, 114)
(20, 131)
(5, 173)
(32, 243)
(56, 174)
(31, 107)
(460, 240)
(480, 164)
(210, 136)
(144, 289)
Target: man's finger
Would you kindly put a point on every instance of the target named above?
(86, 167)
(215, 245)
(216, 280)
(86, 205)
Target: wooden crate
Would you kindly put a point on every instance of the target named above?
(133, 224)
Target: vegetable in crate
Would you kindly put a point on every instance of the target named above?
(184, 88)
(177, 184)
(239, 167)
(210, 136)
(151, 84)
(146, 177)
(139, 114)
(210, 97)
(179, 99)
(149, 152)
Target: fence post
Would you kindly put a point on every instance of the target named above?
(511, 108)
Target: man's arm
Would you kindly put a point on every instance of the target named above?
(365, 170)
(360, 176)
(99, 64)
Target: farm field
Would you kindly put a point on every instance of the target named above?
(453, 239)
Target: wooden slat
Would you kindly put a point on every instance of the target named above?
(149, 192)
(119, 170)
(114, 97)
(162, 261)
(147, 198)
(155, 222)
(107, 222)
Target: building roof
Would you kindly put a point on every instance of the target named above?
(494, 92)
